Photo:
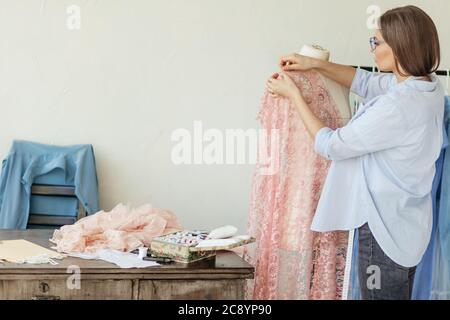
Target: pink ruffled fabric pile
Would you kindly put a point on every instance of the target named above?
(123, 228)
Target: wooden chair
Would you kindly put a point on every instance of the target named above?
(55, 221)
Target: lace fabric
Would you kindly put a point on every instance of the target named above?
(290, 260)
(124, 228)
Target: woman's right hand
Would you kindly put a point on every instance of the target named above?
(297, 62)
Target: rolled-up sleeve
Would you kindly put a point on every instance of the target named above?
(322, 140)
(380, 127)
(369, 85)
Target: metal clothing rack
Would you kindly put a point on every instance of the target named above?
(375, 69)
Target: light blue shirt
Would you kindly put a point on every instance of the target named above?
(384, 164)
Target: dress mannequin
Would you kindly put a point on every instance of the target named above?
(291, 261)
(339, 93)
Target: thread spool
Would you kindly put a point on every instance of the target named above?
(142, 252)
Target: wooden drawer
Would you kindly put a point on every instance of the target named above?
(223, 277)
(225, 289)
(57, 289)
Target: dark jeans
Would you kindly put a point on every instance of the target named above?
(380, 278)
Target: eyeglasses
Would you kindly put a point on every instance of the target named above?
(374, 43)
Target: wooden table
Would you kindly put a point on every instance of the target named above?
(222, 277)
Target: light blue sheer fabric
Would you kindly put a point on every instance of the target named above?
(355, 293)
(441, 266)
(423, 278)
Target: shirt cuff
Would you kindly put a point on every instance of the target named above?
(357, 83)
(322, 142)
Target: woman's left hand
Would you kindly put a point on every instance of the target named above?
(281, 84)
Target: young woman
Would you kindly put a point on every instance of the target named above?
(384, 158)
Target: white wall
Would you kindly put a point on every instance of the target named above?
(139, 69)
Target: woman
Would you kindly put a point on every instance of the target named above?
(384, 158)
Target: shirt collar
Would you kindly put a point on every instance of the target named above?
(418, 83)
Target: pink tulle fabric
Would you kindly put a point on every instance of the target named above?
(291, 261)
(123, 228)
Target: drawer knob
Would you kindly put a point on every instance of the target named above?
(44, 287)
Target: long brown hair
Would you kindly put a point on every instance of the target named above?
(413, 37)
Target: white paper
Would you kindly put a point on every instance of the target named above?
(222, 242)
(216, 243)
(222, 232)
(124, 260)
(242, 237)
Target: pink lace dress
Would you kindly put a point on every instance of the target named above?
(291, 261)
